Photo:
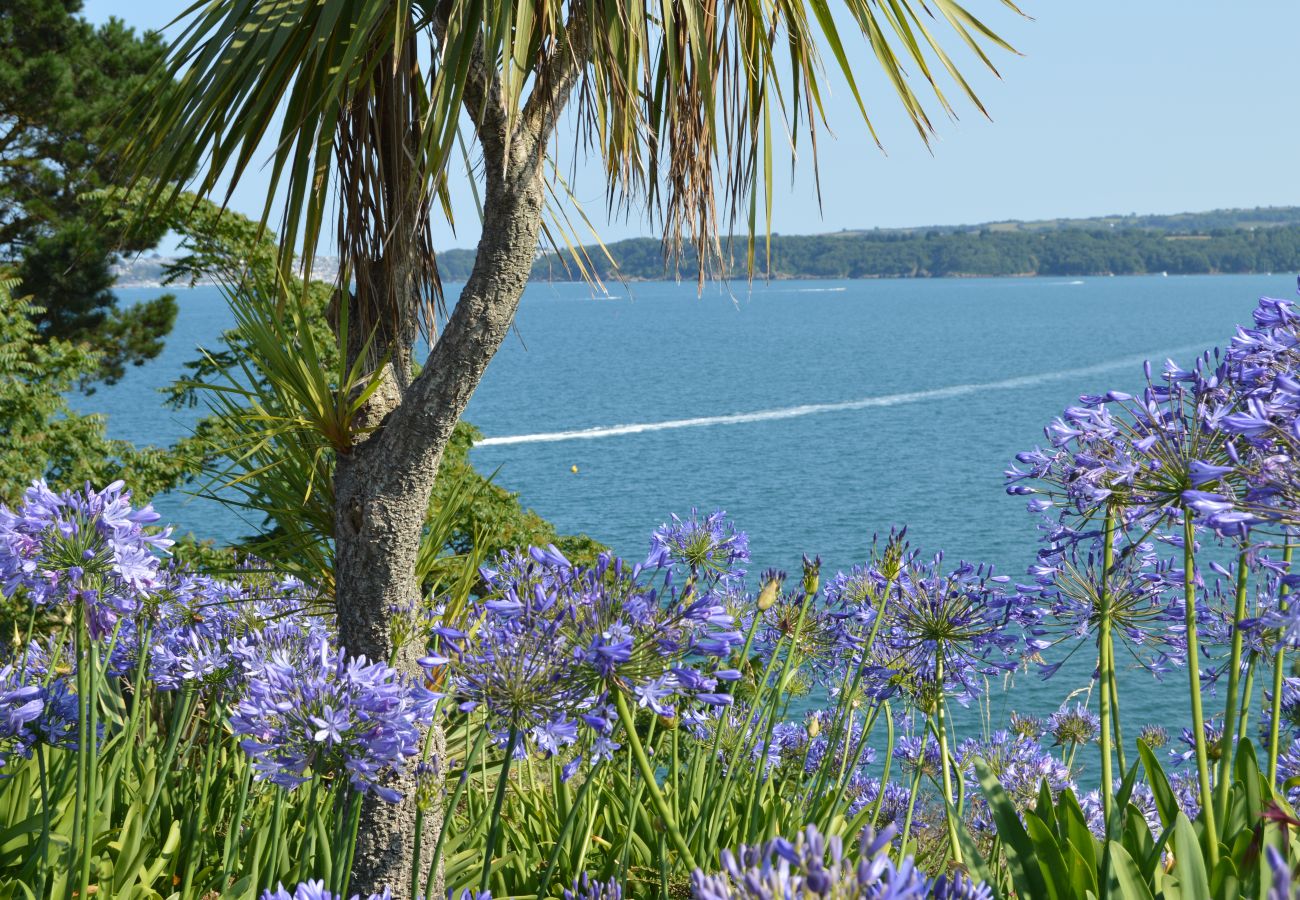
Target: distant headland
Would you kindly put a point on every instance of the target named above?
(1222, 241)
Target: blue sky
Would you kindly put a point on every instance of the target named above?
(1115, 106)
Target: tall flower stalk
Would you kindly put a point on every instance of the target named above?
(1194, 686)
(1279, 672)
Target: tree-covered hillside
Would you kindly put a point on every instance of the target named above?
(1221, 241)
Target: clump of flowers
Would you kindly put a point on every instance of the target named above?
(38, 706)
(948, 629)
(588, 888)
(322, 713)
(1020, 764)
(550, 641)
(315, 890)
(813, 866)
(83, 546)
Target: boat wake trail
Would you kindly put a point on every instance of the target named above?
(815, 409)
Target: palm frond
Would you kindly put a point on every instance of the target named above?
(365, 102)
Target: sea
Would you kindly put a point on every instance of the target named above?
(817, 414)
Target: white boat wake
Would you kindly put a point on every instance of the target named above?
(815, 409)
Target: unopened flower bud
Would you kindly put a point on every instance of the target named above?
(811, 575)
(767, 596)
(814, 727)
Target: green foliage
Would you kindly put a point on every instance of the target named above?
(63, 82)
(283, 405)
(936, 253)
(1048, 851)
(42, 437)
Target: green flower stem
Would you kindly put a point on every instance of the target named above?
(648, 775)
(91, 751)
(43, 849)
(277, 838)
(565, 829)
(1247, 691)
(180, 718)
(449, 811)
(729, 781)
(851, 688)
(1226, 742)
(498, 800)
(911, 804)
(350, 841)
(236, 823)
(1114, 703)
(1194, 678)
(1104, 668)
(889, 758)
(950, 811)
(307, 851)
(1279, 673)
(417, 849)
(196, 842)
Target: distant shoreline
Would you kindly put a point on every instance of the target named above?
(159, 286)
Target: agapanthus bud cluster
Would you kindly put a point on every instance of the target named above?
(318, 712)
(1073, 725)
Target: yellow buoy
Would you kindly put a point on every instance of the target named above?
(573, 469)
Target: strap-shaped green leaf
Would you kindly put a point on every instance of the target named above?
(1126, 880)
(1022, 858)
(1189, 863)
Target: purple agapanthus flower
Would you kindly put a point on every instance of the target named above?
(588, 888)
(967, 619)
(85, 546)
(709, 547)
(814, 866)
(550, 641)
(315, 890)
(1073, 725)
(321, 712)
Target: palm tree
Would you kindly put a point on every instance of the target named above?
(369, 104)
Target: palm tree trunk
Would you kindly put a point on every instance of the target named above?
(383, 486)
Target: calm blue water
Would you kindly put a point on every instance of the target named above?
(874, 403)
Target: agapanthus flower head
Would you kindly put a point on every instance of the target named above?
(324, 713)
(1141, 797)
(85, 546)
(549, 641)
(203, 632)
(1073, 725)
(38, 704)
(813, 866)
(966, 620)
(1020, 764)
(1138, 591)
(822, 637)
(709, 547)
(315, 890)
